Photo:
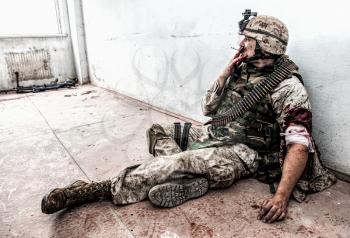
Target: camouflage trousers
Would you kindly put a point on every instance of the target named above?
(222, 166)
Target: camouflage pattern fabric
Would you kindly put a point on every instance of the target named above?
(222, 166)
(270, 33)
(289, 103)
(218, 154)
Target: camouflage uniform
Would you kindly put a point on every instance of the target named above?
(218, 155)
(225, 154)
(220, 165)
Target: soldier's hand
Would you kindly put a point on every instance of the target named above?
(273, 209)
(237, 58)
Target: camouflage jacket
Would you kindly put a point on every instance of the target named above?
(287, 103)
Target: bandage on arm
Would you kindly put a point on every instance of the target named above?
(297, 134)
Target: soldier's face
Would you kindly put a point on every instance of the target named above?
(249, 45)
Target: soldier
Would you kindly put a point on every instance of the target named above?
(226, 149)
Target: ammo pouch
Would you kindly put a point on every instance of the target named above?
(181, 138)
(263, 137)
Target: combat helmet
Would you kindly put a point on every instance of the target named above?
(270, 33)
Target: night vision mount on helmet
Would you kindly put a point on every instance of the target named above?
(243, 23)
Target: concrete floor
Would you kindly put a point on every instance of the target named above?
(52, 138)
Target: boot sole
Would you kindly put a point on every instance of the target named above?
(172, 195)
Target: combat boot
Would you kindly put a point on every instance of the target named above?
(173, 194)
(77, 193)
(153, 134)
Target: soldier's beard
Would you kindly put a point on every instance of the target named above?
(257, 59)
(250, 59)
(262, 63)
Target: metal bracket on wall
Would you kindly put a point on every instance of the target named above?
(39, 88)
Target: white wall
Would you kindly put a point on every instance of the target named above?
(167, 53)
(57, 44)
(77, 29)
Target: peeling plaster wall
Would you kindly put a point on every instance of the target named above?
(61, 58)
(167, 53)
(58, 47)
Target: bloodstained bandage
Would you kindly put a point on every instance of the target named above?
(297, 134)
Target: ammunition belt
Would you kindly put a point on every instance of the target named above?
(283, 70)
